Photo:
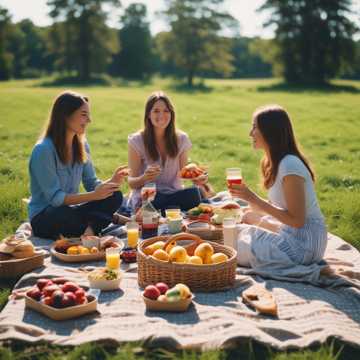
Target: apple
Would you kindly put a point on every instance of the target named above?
(48, 290)
(162, 287)
(59, 280)
(69, 299)
(41, 283)
(34, 293)
(46, 300)
(70, 286)
(57, 298)
(151, 292)
(79, 293)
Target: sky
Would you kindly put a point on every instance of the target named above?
(243, 10)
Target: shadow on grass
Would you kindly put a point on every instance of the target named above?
(100, 80)
(301, 88)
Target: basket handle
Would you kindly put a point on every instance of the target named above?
(190, 248)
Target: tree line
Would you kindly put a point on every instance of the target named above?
(314, 42)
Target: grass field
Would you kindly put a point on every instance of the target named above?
(217, 117)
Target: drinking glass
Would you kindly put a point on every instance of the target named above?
(148, 192)
(112, 258)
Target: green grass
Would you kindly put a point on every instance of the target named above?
(217, 117)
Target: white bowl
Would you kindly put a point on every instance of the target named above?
(103, 284)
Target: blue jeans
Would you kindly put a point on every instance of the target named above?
(185, 199)
(73, 220)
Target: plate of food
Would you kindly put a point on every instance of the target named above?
(192, 171)
(201, 212)
(104, 279)
(226, 210)
(77, 250)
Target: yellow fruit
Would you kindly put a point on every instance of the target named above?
(219, 258)
(83, 250)
(73, 250)
(204, 250)
(207, 260)
(170, 246)
(162, 298)
(184, 291)
(94, 250)
(195, 260)
(178, 254)
(149, 250)
(160, 254)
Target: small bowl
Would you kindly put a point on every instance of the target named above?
(103, 284)
(90, 241)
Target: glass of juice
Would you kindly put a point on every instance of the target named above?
(112, 258)
(233, 176)
(132, 229)
(148, 192)
(173, 213)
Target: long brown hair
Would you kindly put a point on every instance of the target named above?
(64, 106)
(171, 140)
(275, 126)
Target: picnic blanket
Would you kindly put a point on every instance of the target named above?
(325, 305)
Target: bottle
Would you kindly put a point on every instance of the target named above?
(229, 232)
(150, 220)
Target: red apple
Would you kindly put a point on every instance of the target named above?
(46, 300)
(59, 280)
(41, 283)
(48, 290)
(70, 286)
(69, 299)
(151, 292)
(79, 293)
(57, 298)
(162, 287)
(34, 293)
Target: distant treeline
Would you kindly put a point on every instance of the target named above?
(313, 42)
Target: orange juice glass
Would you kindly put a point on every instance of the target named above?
(112, 258)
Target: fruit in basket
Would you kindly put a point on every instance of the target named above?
(184, 290)
(73, 250)
(162, 298)
(218, 258)
(178, 254)
(170, 246)
(48, 290)
(195, 260)
(149, 250)
(205, 251)
(34, 293)
(163, 288)
(57, 298)
(59, 281)
(173, 294)
(160, 254)
(83, 250)
(70, 286)
(69, 299)
(41, 283)
(94, 250)
(152, 292)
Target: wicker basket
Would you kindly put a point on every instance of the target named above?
(12, 268)
(198, 277)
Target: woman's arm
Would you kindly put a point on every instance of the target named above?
(294, 194)
(137, 180)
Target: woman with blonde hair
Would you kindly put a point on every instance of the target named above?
(289, 228)
(59, 162)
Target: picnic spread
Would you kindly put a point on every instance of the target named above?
(173, 304)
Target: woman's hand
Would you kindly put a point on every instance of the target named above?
(151, 173)
(241, 191)
(201, 180)
(104, 190)
(119, 175)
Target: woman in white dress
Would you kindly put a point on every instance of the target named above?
(289, 228)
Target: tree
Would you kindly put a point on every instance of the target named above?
(86, 40)
(5, 56)
(135, 59)
(193, 43)
(314, 37)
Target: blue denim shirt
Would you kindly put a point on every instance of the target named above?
(51, 180)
